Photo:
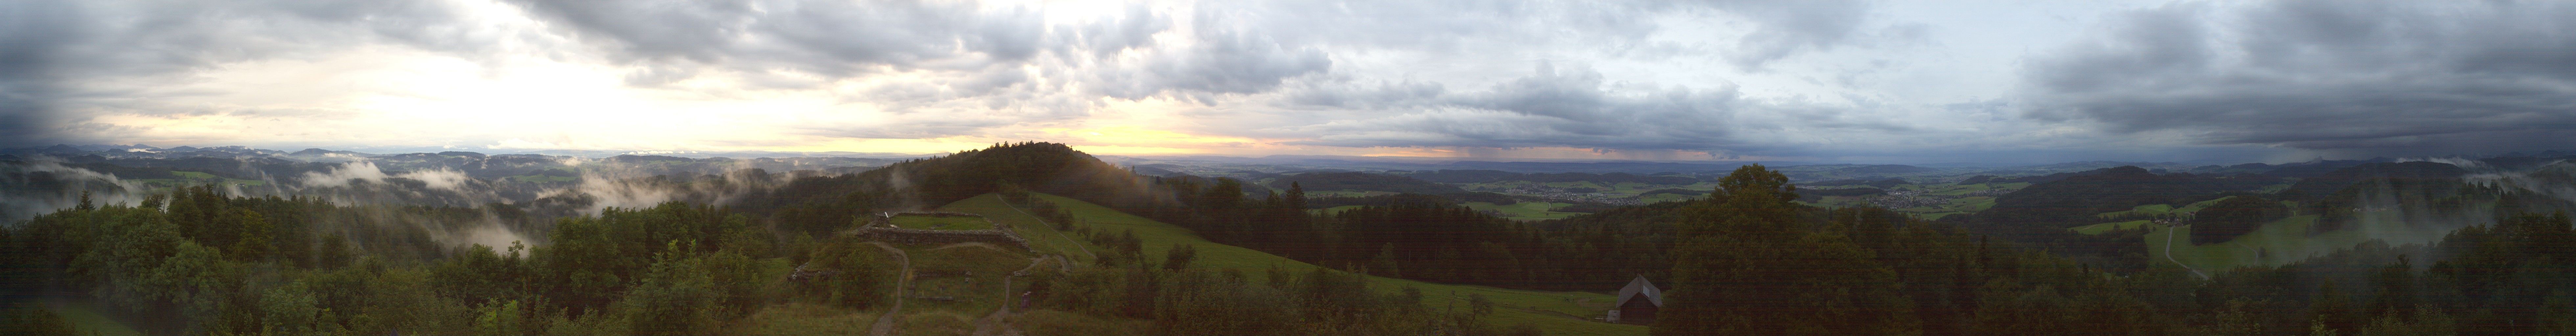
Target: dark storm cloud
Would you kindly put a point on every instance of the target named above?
(2397, 77)
(1575, 107)
(837, 38)
(913, 127)
(1786, 28)
(1004, 65)
(1226, 62)
(1551, 108)
(49, 48)
(831, 37)
(974, 52)
(1233, 47)
(32, 36)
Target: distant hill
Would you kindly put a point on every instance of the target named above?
(1417, 163)
(1881, 183)
(2234, 217)
(1604, 178)
(1158, 169)
(921, 183)
(1483, 175)
(2032, 179)
(644, 158)
(2336, 181)
(1882, 169)
(2310, 169)
(1364, 181)
(2076, 199)
(1812, 195)
(2434, 187)
(1462, 175)
(1684, 192)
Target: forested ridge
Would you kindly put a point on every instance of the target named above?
(672, 269)
(1744, 260)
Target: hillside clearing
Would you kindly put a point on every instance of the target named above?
(1538, 308)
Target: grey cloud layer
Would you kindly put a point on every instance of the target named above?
(31, 38)
(62, 56)
(1552, 107)
(831, 37)
(2397, 77)
(1788, 27)
(1549, 108)
(982, 67)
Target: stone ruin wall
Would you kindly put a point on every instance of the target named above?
(882, 229)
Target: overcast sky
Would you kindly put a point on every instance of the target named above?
(1836, 81)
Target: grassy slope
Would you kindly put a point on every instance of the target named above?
(1547, 310)
(800, 318)
(83, 316)
(796, 317)
(2276, 243)
(1959, 190)
(975, 296)
(2165, 209)
(1042, 237)
(1959, 205)
(940, 223)
(2148, 210)
(2196, 206)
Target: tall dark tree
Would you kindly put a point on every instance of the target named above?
(1747, 265)
(2234, 216)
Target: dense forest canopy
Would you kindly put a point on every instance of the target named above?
(1743, 257)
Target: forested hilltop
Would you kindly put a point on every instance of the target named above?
(1109, 251)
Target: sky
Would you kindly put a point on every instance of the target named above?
(1818, 81)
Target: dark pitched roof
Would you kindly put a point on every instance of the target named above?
(1637, 286)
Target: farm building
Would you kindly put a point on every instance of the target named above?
(1637, 302)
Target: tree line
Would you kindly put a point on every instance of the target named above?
(224, 265)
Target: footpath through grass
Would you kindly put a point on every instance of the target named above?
(1555, 313)
(939, 223)
(953, 285)
(84, 316)
(2274, 244)
(1043, 237)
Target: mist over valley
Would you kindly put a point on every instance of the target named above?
(1187, 167)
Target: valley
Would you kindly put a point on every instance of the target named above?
(1076, 245)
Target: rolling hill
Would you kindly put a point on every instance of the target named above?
(1555, 313)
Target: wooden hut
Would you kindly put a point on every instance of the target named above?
(1637, 302)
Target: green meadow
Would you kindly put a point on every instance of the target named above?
(2277, 243)
(1525, 211)
(939, 223)
(1555, 313)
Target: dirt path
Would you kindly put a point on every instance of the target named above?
(2169, 237)
(968, 244)
(993, 324)
(903, 280)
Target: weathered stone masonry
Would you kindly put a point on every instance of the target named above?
(882, 229)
